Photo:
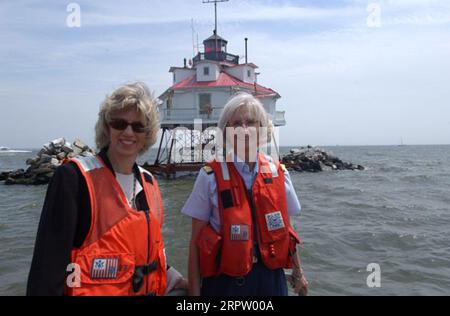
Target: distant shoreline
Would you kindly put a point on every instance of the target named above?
(325, 146)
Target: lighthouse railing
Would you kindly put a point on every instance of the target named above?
(218, 56)
(189, 114)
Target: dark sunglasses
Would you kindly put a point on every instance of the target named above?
(122, 125)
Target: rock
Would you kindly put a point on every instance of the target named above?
(325, 167)
(25, 181)
(314, 159)
(30, 161)
(45, 158)
(43, 178)
(61, 156)
(76, 151)
(46, 148)
(17, 174)
(67, 148)
(41, 168)
(41, 152)
(78, 143)
(4, 175)
(72, 155)
(58, 143)
(55, 162)
(86, 154)
(10, 181)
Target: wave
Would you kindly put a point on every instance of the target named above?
(419, 178)
(393, 169)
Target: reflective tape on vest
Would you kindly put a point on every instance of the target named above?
(142, 170)
(89, 163)
(273, 169)
(225, 172)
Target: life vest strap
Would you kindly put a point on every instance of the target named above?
(146, 269)
(140, 272)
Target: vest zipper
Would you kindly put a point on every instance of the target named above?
(147, 216)
(255, 242)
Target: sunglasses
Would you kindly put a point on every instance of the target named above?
(122, 125)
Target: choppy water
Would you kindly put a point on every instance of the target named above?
(395, 214)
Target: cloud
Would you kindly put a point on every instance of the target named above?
(242, 11)
(340, 80)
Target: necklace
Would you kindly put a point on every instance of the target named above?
(133, 198)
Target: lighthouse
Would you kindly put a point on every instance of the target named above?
(199, 91)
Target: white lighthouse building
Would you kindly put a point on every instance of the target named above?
(201, 90)
(199, 93)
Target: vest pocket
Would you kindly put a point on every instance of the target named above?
(105, 274)
(273, 226)
(209, 243)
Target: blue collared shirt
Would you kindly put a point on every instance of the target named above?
(202, 204)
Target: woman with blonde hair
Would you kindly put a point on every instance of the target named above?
(100, 228)
(241, 236)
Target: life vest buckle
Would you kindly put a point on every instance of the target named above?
(140, 272)
(146, 269)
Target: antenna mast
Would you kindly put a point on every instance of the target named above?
(193, 37)
(215, 10)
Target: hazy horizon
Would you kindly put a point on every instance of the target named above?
(155, 147)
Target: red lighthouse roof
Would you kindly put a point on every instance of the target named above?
(224, 80)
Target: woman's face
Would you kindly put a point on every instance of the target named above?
(126, 142)
(244, 133)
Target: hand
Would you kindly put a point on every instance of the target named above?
(299, 284)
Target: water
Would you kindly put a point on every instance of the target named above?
(395, 214)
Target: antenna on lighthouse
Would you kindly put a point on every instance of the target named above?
(193, 38)
(215, 10)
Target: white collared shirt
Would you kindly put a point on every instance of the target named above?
(202, 204)
(126, 182)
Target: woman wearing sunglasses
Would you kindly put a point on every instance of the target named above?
(100, 228)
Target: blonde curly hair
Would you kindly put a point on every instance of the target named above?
(130, 96)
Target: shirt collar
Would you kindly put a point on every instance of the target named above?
(242, 166)
(104, 157)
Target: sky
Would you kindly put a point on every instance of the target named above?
(350, 72)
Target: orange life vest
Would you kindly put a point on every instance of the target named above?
(248, 218)
(123, 253)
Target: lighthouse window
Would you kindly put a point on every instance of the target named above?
(205, 103)
(206, 71)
